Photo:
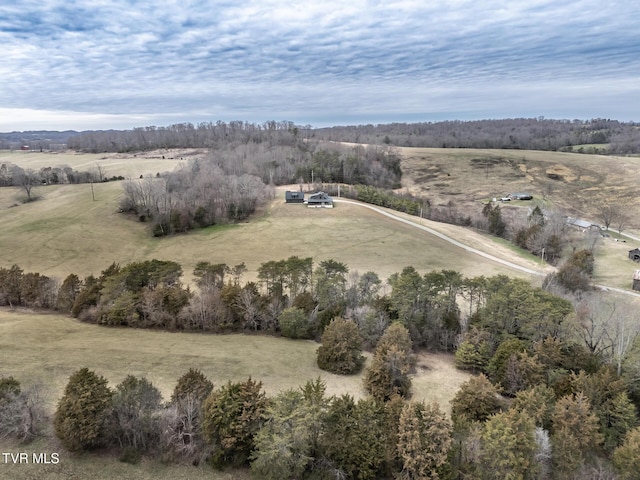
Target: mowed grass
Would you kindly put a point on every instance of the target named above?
(66, 231)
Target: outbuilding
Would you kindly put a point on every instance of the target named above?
(293, 197)
(636, 280)
(635, 254)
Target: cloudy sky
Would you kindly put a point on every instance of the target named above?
(90, 64)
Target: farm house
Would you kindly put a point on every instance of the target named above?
(320, 199)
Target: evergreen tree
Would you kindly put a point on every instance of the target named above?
(626, 458)
(193, 383)
(294, 323)
(232, 415)
(80, 417)
(538, 402)
(508, 446)
(287, 443)
(424, 440)
(341, 348)
(575, 433)
(475, 401)
(392, 361)
(355, 437)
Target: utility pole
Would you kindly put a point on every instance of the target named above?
(93, 195)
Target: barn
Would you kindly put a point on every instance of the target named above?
(635, 254)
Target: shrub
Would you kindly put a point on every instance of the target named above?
(132, 423)
(341, 348)
(22, 412)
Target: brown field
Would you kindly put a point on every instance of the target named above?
(125, 164)
(574, 182)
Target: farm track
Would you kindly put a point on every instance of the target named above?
(473, 250)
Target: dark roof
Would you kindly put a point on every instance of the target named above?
(290, 194)
(320, 197)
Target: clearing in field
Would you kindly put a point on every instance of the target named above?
(51, 347)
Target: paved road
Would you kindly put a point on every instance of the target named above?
(471, 249)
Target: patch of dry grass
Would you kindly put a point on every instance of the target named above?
(112, 164)
(471, 175)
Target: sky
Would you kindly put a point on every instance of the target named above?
(101, 64)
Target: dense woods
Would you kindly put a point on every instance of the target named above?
(555, 395)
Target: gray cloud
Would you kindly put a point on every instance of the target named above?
(317, 62)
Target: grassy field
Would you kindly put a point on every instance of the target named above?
(48, 348)
(101, 467)
(580, 185)
(125, 164)
(67, 232)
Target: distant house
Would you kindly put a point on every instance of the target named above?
(582, 224)
(293, 197)
(320, 199)
(24, 147)
(520, 196)
(636, 280)
(635, 254)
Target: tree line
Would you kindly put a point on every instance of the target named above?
(556, 389)
(28, 179)
(514, 133)
(586, 136)
(235, 178)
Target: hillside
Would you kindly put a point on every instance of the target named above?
(67, 231)
(575, 183)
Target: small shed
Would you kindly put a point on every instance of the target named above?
(320, 199)
(635, 254)
(293, 197)
(636, 280)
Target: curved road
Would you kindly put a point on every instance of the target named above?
(468, 248)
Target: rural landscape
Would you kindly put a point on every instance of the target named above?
(469, 308)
